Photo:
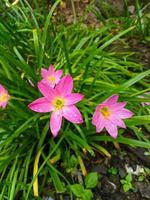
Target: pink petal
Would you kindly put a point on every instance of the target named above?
(98, 120)
(48, 83)
(3, 104)
(124, 113)
(44, 73)
(117, 106)
(41, 105)
(112, 129)
(58, 73)
(55, 123)
(47, 91)
(2, 89)
(65, 85)
(100, 125)
(118, 122)
(51, 69)
(111, 100)
(95, 118)
(97, 115)
(72, 114)
(73, 98)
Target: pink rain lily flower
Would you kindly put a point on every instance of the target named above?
(50, 76)
(61, 101)
(109, 115)
(4, 97)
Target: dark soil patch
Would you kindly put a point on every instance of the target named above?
(124, 162)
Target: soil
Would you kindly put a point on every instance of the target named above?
(128, 160)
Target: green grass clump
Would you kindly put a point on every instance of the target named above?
(31, 39)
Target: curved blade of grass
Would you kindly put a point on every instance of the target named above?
(123, 140)
(132, 81)
(44, 36)
(138, 120)
(116, 37)
(101, 149)
(35, 171)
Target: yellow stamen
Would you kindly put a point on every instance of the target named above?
(51, 79)
(3, 97)
(58, 103)
(105, 112)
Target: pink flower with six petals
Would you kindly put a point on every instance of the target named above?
(50, 76)
(60, 100)
(4, 97)
(109, 115)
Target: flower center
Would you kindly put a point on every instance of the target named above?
(58, 103)
(51, 79)
(105, 112)
(3, 97)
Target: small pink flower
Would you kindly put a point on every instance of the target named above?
(4, 97)
(60, 101)
(50, 76)
(109, 115)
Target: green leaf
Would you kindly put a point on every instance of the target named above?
(91, 180)
(126, 187)
(113, 170)
(57, 182)
(129, 177)
(121, 139)
(116, 37)
(132, 81)
(141, 178)
(138, 120)
(123, 181)
(77, 189)
(87, 195)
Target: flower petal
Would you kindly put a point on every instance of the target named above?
(100, 125)
(124, 113)
(117, 106)
(46, 90)
(118, 122)
(98, 121)
(41, 105)
(51, 70)
(55, 122)
(112, 129)
(65, 85)
(72, 114)
(111, 100)
(95, 118)
(3, 104)
(73, 98)
(4, 97)
(2, 89)
(58, 73)
(44, 73)
(48, 83)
